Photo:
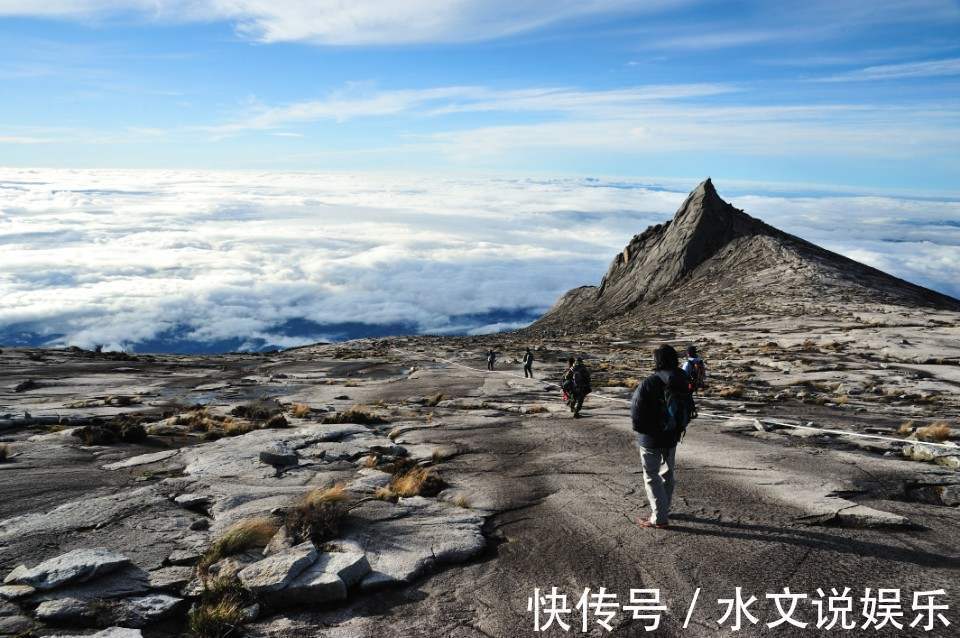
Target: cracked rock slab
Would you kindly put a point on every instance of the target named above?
(277, 571)
(403, 548)
(76, 566)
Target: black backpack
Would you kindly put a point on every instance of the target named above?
(581, 379)
(678, 406)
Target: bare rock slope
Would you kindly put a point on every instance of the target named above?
(713, 252)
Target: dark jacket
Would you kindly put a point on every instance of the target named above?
(528, 359)
(646, 408)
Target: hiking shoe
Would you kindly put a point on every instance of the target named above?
(644, 523)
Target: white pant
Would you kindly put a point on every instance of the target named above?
(658, 480)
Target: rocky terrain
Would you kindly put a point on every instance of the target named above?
(393, 487)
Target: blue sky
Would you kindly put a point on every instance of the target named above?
(827, 93)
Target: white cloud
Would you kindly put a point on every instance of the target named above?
(116, 257)
(359, 100)
(335, 22)
(925, 69)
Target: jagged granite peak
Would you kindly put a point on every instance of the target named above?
(661, 255)
(713, 252)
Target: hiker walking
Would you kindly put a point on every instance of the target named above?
(491, 359)
(695, 368)
(661, 408)
(528, 364)
(576, 384)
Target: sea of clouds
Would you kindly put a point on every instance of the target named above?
(213, 261)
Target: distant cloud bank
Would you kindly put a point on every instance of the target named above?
(214, 261)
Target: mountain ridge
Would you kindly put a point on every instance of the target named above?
(712, 251)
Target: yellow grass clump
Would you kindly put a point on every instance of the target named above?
(416, 481)
(937, 432)
(241, 536)
(730, 391)
(300, 410)
(906, 428)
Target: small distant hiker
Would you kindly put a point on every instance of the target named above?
(528, 364)
(491, 359)
(695, 368)
(576, 384)
(661, 409)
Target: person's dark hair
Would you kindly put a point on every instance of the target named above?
(570, 361)
(691, 350)
(579, 359)
(665, 358)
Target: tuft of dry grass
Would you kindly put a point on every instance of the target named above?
(221, 610)
(843, 399)
(462, 501)
(370, 461)
(395, 433)
(318, 515)
(535, 409)
(334, 494)
(358, 414)
(432, 401)
(236, 427)
(300, 410)
(731, 391)
(418, 481)
(241, 536)
(384, 494)
(906, 428)
(4, 452)
(939, 431)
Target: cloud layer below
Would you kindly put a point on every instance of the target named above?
(229, 260)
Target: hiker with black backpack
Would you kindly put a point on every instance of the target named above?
(491, 359)
(576, 384)
(528, 364)
(661, 409)
(695, 368)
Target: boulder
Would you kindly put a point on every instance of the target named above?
(279, 454)
(13, 592)
(184, 557)
(143, 611)
(369, 480)
(15, 625)
(280, 542)
(170, 578)
(112, 632)
(277, 571)
(192, 501)
(76, 566)
(61, 610)
(349, 566)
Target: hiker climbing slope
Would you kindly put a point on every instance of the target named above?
(528, 364)
(695, 368)
(661, 409)
(491, 359)
(576, 384)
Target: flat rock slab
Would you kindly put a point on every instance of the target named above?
(170, 578)
(143, 459)
(15, 625)
(277, 571)
(145, 610)
(123, 583)
(63, 610)
(76, 566)
(112, 632)
(431, 533)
